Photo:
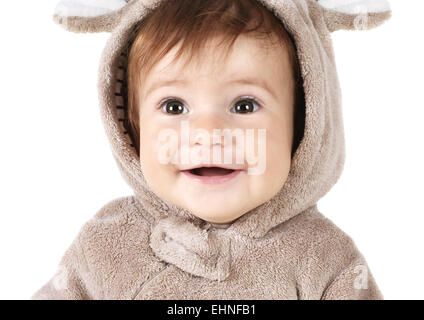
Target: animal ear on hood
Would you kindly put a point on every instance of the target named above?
(355, 14)
(83, 16)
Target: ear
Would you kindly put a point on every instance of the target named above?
(355, 14)
(89, 15)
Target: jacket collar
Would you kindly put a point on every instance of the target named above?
(197, 249)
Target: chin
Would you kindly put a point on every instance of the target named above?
(215, 216)
(219, 221)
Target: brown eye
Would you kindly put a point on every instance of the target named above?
(173, 107)
(245, 106)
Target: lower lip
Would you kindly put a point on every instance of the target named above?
(212, 179)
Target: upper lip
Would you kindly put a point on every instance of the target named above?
(210, 165)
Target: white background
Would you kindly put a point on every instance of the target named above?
(56, 168)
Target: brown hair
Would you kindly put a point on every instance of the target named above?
(194, 22)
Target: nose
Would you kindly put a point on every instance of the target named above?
(204, 126)
(210, 142)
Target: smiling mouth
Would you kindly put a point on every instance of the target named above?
(211, 175)
(210, 171)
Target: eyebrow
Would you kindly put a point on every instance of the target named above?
(244, 81)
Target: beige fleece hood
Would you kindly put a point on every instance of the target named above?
(181, 240)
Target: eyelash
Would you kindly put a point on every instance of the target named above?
(250, 98)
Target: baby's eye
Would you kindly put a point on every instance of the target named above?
(245, 105)
(173, 106)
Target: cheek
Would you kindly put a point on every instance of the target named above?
(147, 141)
(150, 148)
(278, 160)
(278, 157)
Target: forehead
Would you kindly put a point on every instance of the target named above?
(248, 57)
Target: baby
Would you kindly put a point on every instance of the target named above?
(224, 116)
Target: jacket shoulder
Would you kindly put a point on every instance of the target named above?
(116, 210)
(109, 257)
(328, 254)
(313, 230)
(115, 222)
(115, 243)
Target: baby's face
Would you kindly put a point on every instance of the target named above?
(213, 98)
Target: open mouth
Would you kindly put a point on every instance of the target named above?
(211, 171)
(211, 175)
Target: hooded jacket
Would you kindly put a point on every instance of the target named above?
(142, 247)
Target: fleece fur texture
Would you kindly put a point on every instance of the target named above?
(141, 247)
(88, 8)
(354, 6)
(83, 16)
